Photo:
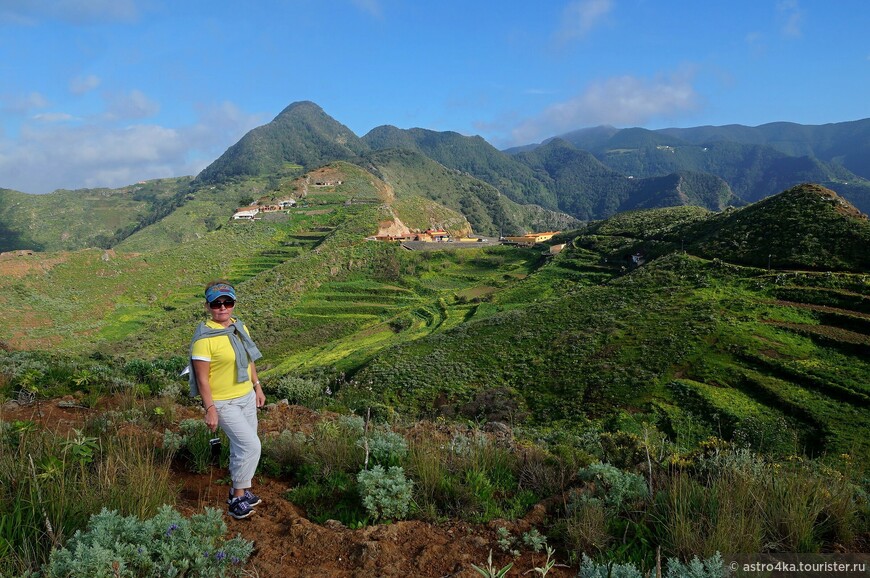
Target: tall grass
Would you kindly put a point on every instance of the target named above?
(741, 503)
(469, 477)
(721, 516)
(53, 484)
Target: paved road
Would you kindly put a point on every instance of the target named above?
(447, 246)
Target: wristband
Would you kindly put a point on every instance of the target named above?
(208, 408)
(257, 383)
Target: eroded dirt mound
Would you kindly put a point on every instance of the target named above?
(288, 545)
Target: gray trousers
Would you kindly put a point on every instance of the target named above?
(238, 419)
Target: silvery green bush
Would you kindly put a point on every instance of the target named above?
(351, 424)
(386, 494)
(386, 447)
(712, 567)
(613, 487)
(166, 545)
(591, 569)
(172, 442)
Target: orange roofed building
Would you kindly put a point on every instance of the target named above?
(532, 238)
(433, 235)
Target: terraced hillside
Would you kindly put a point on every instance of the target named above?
(807, 362)
(688, 345)
(347, 319)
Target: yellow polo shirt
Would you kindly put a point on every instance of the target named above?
(222, 365)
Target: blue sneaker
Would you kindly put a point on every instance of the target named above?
(251, 498)
(239, 508)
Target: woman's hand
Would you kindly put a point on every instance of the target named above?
(211, 418)
(261, 397)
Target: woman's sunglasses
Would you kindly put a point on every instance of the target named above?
(229, 304)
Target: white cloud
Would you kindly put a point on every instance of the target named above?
(79, 12)
(92, 153)
(581, 16)
(791, 18)
(619, 101)
(54, 117)
(130, 105)
(83, 84)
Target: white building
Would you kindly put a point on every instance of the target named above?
(245, 213)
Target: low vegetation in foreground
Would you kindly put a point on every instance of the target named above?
(79, 502)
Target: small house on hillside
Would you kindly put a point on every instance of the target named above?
(287, 203)
(531, 238)
(433, 235)
(541, 237)
(247, 213)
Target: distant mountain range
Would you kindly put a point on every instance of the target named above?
(755, 161)
(585, 175)
(590, 173)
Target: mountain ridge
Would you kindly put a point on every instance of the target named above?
(625, 169)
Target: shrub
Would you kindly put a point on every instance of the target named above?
(197, 449)
(351, 424)
(622, 449)
(535, 540)
(701, 519)
(386, 494)
(429, 468)
(296, 390)
(499, 404)
(333, 447)
(332, 497)
(480, 503)
(712, 567)
(386, 447)
(172, 442)
(544, 473)
(401, 323)
(591, 569)
(770, 435)
(585, 528)
(614, 488)
(166, 545)
(284, 452)
(141, 371)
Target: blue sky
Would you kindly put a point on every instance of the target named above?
(110, 92)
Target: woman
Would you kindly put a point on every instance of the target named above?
(222, 358)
